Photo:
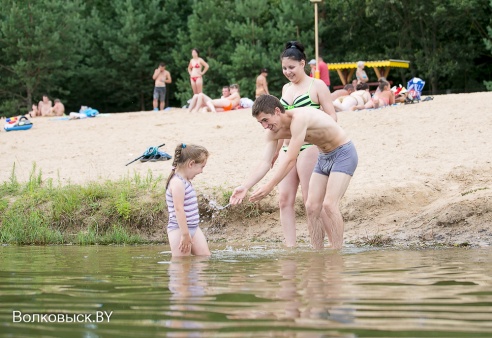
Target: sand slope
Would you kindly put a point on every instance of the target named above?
(424, 175)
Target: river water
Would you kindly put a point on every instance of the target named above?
(257, 291)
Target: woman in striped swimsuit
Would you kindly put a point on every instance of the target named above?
(184, 234)
(301, 91)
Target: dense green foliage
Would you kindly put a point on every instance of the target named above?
(102, 53)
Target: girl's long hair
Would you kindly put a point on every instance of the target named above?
(187, 152)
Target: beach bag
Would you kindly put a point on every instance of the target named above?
(414, 88)
(398, 90)
(89, 112)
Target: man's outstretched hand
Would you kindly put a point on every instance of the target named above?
(260, 193)
(238, 195)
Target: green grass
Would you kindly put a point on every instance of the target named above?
(112, 212)
(131, 210)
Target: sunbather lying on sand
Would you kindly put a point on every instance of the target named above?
(383, 98)
(358, 98)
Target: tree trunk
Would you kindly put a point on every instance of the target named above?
(29, 98)
(142, 102)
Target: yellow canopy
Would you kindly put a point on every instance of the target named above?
(346, 70)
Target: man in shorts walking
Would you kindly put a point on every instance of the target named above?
(161, 77)
(337, 162)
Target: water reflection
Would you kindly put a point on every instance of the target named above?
(261, 291)
(188, 284)
(286, 291)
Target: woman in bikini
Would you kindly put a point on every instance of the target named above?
(382, 98)
(197, 68)
(361, 73)
(301, 91)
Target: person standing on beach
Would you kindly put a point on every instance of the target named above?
(361, 73)
(337, 161)
(312, 65)
(261, 83)
(161, 77)
(183, 231)
(324, 73)
(301, 91)
(197, 68)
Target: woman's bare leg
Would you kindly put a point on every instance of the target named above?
(194, 87)
(193, 103)
(199, 85)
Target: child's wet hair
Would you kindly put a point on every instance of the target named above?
(187, 152)
(294, 50)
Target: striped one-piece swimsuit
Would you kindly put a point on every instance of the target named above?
(190, 208)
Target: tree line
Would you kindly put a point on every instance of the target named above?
(102, 53)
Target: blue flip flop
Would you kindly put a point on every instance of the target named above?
(149, 154)
(161, 156)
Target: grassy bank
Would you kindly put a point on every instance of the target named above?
(131, 210)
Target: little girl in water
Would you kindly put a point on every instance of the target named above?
(185, 236)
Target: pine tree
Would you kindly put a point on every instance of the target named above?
(40, 46)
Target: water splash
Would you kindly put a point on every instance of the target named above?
(213, 205)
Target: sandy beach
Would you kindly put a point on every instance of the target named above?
(424, 174)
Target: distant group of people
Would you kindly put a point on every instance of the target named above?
(229, 100)
(360, 98)
(46, 108)
(197, 67)
(356, 96)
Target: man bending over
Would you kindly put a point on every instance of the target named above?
(337, 161)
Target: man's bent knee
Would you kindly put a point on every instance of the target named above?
(313, 209)
(330, 207)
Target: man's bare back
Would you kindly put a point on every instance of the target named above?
(337, 161)
(315, 127)
(261, 84)
(58, 109)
